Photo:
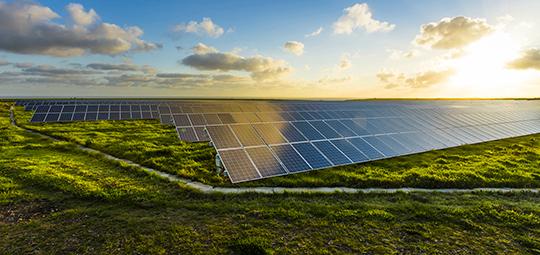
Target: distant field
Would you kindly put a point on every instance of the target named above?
(506, 163)
(55, 198)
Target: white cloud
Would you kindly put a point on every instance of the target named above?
(315, 33)
(529, 59)
(28, 28)
(294, 47)
(81, 17)
(424, 79)
(201, 48)
(451, 33)
(259, 67)
(360, 16)
(205, 27)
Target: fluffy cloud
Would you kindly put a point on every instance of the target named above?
(359, 16)
(451, 33)
(81, 17)
(205, 27)
(28, 28)
(4, 63)
(419, 80)
(315, 33)
(259, 67)
(294, 47)
(122, 67)
(529, 59)
(201, 48)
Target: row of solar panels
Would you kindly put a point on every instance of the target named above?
(270, 141)
(256, 162)
(192, 127)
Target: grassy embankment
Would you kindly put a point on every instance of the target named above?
(506, 163)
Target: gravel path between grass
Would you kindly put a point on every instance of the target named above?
(278, 190)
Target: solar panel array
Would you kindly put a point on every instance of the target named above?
(260, 139)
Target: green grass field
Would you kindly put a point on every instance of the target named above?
(507, 163)
(57, 199)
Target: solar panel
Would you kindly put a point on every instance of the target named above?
(265, 161)
(332, 153)
(222, 137)
(313, 157)
(239, 161)
(290, 158)
(247, 135)
(279, 137)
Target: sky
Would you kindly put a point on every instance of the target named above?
(270, 49)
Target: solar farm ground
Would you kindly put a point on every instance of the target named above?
(505, 163)
(56, 199)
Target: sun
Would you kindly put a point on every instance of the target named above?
(481, 68)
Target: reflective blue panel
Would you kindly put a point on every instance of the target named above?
(103, 116)
(91, 116)
(238, 165)
(350, 151)
(332, 153)
(226, 118)
(127, 116)
(247, 135)
(202, 134)
(340, 128)
(295, 115)
(66, 116)
(136, 115)
(396, 146)
(212, 119)
(115, 108)
(307, 130)
(312, 155)
(38, 117)
(290, 158)
(222, 137)
(52, 117)
(114, 116)
(265, 162)
(197, 119)
(55, 108)
(354, 126)
(410, 141)
(78, 116)
(324, 129)
(187, 134)
(42, 109)
(181, 120)
(145, 115)
(68, 109)
(306, 116)
(381, 146)
(289, 132)
(366, 148)
(269, 133)
(103, 108)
